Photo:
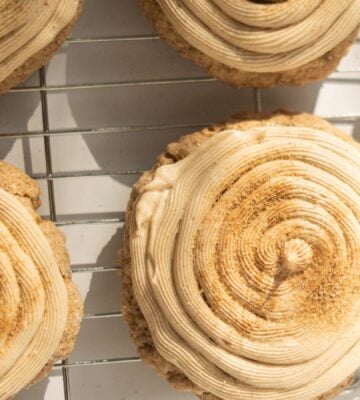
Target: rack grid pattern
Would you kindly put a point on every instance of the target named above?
(46, 133)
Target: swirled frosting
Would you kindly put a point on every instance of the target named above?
(263, 38)
(245, 263)
(33, 298)
(28, 26)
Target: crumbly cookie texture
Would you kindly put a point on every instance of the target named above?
(175, 152)
(27, 191)
(40, 58)
(313, 71)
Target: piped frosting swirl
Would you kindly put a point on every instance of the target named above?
(263, 37)
(245, 262)
(33, 298)
(28, 26)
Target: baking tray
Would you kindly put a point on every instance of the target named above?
(85, 127)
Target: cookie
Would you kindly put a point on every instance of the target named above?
(238, 267)
(31, 34)
(41, 308)
(247, 44)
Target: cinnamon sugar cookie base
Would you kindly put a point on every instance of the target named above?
(27, 191)
(316, 70)
(175, 152)
(40, 58)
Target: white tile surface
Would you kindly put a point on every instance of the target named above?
(100, 291)
(120, 151)
(117, 151)
(104, 18)
(93, 243)
(27, 152)
(133, 381)
(49, 389)
(145, 105)
(20, 112)
(79, 197)
(97, 340)
(88, 59)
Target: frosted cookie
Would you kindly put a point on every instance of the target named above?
(258, 44)
(40, 307)
(31, 31)
(240, 260)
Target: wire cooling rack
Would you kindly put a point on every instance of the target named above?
(85, 127)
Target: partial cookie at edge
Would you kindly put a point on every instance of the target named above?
(27, 191)
(40, 58)
(316, 70)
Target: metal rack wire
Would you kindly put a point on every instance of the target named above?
(50, 176)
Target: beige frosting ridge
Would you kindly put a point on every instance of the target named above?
(269, 15)
(263, 38)
(28, 26)
(244, 263)
(33, 297)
